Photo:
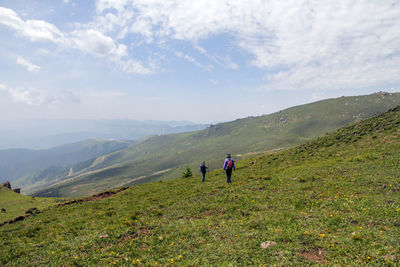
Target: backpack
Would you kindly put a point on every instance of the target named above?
(203, 168)
(229, 164)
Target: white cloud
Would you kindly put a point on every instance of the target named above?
(35, 30)
(301, 44)
(119, 5)
(35, 97)
(96, 43)
(90, 41)
(29, 66)
(214, 82)
(29, 97)
(193, 60)
(225, 62)
(133, 66)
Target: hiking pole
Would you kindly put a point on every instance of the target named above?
(208, 176)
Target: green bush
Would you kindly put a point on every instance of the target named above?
(187, 173)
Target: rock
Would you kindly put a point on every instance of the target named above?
(6, 184)
(19, 218)
(32, 211)
(267, 244)
(17, 190)
(104, 236)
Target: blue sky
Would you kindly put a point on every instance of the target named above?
(203, 61)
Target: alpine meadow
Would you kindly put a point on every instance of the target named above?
(199, 133)
(331, 201)
(167, 156)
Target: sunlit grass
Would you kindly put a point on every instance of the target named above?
(333, 201)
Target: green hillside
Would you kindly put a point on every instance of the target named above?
(17, 204)
(332, 201)
(31, 168)
(166, 156)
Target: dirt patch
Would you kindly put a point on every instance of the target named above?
(99, 196)
(207, 213)
(144, 231)
(315, 256)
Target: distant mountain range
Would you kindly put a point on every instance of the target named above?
(165, 156)
(24, 164)
(44, 134)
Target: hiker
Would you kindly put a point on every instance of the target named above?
(229, 164)
(203, 170)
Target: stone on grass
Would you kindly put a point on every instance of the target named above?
(267, 244)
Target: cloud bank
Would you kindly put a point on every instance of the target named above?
(298, 44)
(301, 44)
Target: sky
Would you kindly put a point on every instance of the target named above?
(197, 60)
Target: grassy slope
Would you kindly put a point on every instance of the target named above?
(17, 204)
(16, 163)
(332, 201)
(279, 130)
(29, 168)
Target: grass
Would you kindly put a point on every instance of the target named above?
(17, 204)
(175, 152)
(332, 201)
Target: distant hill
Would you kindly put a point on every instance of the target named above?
(16, 165)
(162, 157)
(333, 201)
(44, 134)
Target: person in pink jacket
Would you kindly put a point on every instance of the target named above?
(229, 165)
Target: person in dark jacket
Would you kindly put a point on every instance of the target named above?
(203, 170)
(229, 164)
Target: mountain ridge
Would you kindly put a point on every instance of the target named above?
(282, 129)
(18, 164)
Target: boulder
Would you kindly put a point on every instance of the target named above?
(17, 190)
(6, 184)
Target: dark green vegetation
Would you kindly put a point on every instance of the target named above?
(332, 201)
(34, 168)
(167, 156)
(187, 173)
(16, 204)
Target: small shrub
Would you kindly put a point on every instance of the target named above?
(187, 173)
